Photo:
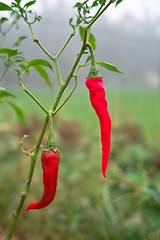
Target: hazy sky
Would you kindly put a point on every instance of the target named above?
(137, 8)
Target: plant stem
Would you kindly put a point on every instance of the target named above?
(24, 89)
(39, 44)
(3, 74)
(51, 143)
(93, 61)
(100, 8)
(94, 70)
(63, 47)
(57, 109)
(64, 85)
(28, 183)
(99, 14)
(57, 70)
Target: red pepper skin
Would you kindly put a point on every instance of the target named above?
(50, 164)
(99, 103)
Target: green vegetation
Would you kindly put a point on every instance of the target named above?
(125, 205)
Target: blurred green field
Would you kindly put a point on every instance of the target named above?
(124, 206)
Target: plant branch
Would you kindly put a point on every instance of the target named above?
(28, 183)
(63, 47)
(3, 74)
(24, 89)
(93, 61)
(51, 143)
(70, 94)
(39, 44)
(100, 8)
(99, 14)
(57, 70)
(65, 84)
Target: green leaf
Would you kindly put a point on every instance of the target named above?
(3, 19)
(17, 1)
(118, 2)
(18, 111)
(91, 38)
(92, 41)
(18, 71)
(81, 33)
(19, 41)
(109, 66)
(95, 3)
(8, 51)
(23, 67)
(29, 3)
(38, 62)
(44, 75)
(4, 7)
(78, 5)
(102, 1)
(88, 59)
(5, 93)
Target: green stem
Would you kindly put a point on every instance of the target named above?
(57, 70)
(63, 47)
(94, 70)
(24, 89)
(65, 84)
(9, 27)
(71, 92)
(3, 74)
(100, 8)
(39, 44)
(93, 61)
(99, 14)
(28, 183)
(51, 142)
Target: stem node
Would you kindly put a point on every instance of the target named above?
(36, 40)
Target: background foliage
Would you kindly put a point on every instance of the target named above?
(87, 206)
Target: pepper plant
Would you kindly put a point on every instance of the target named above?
(87, 14)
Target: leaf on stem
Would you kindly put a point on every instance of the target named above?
(78, 5)
(108, 66)
(8, 51)
(88, 59)
(44, 75)
(23, 67)
(30, 3)
(5, 7)
(91, 38)
(18, 111)
(18, 71)
(92, 41)
(38, 62)
(102, 2)
(118, 2)
(18, 1)
(17, 43)
(5, 93)
(3, 19)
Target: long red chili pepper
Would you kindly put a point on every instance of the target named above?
(98, 100)
(99, 103)
(50, 164)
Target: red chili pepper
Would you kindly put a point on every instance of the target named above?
(50, 164)
(99, 103)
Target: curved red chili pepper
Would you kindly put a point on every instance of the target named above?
(99, 103)
(50, 164)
